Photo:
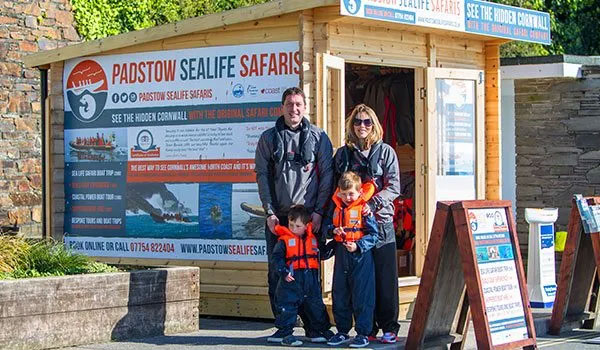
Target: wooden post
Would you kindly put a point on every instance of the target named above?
(493, 154)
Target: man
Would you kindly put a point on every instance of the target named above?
(293, 166)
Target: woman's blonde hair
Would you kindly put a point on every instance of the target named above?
(374, 136)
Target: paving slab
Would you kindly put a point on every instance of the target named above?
(251, 334)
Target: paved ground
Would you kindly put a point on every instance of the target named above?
(242, 334)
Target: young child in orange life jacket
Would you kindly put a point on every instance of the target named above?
(354, 235)
(296, 259)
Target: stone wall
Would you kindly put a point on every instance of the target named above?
(26, 26)
(557, 124)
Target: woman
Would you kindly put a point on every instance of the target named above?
(366, 154)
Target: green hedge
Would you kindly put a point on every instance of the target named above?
(101, 18)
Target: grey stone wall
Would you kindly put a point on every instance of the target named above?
(557, 124)
(26, 26)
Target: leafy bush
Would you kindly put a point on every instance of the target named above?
(23, 259)
(97, 19)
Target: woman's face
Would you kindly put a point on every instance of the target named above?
(363, 125)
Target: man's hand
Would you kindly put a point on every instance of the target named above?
(350, 246)
(272, 221)
(316, 222)
(289, 278)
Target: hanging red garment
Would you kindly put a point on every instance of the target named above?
(404, 223)
(389, 121)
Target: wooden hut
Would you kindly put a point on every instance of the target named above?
(441, 113)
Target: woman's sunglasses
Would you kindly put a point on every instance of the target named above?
(367, 122)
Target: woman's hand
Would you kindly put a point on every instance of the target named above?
(351, 246)
(366, 210)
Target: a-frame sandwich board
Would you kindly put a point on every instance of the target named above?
(473, 262)
(577, 290)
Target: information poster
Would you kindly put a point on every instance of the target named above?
(470, 16)
(498, 273)
(455, 106)
(159, 150)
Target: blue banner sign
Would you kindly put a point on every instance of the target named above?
(469, 16)
(507, 21)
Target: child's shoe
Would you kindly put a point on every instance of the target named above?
(360, 341)
(320, 337)
(339, 339)
(389, 338)
(290, 340)
(328, 334)
(277, 337)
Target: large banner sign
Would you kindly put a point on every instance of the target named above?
(159, 150)
(471, 16)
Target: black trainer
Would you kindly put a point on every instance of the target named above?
(360, 341)
(338, 339)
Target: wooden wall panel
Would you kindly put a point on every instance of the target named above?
(238, 305)
(459, 53)
(307, 57)
(376, 45)
(386, 46)
(493, 185)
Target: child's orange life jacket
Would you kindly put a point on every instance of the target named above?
(350, 217)
(301, 252)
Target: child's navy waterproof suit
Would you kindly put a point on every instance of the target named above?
(300, 256)
(353, 273)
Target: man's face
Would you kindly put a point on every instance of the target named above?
(348, 196)
(293, 110)
(297, 227)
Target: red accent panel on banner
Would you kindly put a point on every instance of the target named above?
(215, 170)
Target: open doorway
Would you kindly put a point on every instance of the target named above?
(390, 92)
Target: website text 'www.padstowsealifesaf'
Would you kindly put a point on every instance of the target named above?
(223, 249)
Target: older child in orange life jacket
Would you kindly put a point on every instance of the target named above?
(354, 271)
(296, 259)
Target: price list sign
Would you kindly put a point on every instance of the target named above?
(498, 273)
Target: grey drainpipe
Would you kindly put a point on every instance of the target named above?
(44, 97)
